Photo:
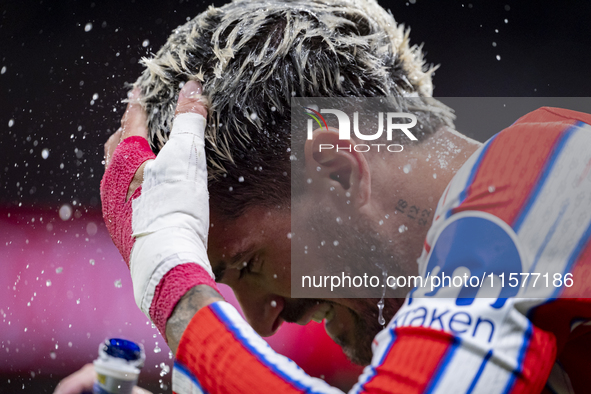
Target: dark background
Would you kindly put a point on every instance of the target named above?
(52, 68)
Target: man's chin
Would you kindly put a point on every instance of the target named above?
(354, 329)
(354, 337)
(360, 355)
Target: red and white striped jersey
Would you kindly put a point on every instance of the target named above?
(520, 204)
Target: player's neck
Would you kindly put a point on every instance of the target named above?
(406, 194)
(438, 160)
(420, 173)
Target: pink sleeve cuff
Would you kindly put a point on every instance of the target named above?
(117, 213)
(172, 287)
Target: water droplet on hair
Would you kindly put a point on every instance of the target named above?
(241, 179)
(339, 220)
(45, 153)
(11, 123)
(88, 27)
(335, 243)
(146, 43)
(402, 228)
(274, 303)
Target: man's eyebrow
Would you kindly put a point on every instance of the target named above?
(220, 269)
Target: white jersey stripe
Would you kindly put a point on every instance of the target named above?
(184, 382)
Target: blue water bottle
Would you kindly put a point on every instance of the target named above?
(118, 366)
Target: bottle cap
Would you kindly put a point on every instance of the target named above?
(122, 348)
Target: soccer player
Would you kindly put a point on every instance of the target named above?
(521, 202)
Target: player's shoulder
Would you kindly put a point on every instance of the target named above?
(507, 171)
(554, 115)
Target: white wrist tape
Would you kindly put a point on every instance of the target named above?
(170, 219)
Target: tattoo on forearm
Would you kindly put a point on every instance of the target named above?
(413, 212)
(198, 297)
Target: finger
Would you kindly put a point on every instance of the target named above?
(139, 390)
(79, 382)
(111, 145)
(137, 180)
(134, 121)
(190, 100)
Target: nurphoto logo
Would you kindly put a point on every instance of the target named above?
(345, 129)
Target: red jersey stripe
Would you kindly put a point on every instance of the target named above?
(510, 169)
(412, 361)
(538, 361)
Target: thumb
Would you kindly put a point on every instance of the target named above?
(190, 100)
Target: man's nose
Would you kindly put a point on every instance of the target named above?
(261, 310)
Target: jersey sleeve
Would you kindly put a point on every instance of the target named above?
(220, 353)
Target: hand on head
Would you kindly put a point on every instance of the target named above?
(82, 381)
(158, 207)
(135, 123)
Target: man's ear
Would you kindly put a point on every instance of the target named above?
(334, 163)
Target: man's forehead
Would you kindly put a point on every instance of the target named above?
(256, 224)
